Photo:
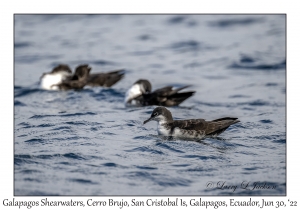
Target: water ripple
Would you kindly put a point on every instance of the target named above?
(62, 115)
(22, 44)
(145, 149)
(35, 141)
(201, 157)
(83, 181)
(190, 45)
(18, 103)
(259, 66)
(173, 182)
(165, 146)
(23, 160)
(146, 167)
(27, 59)
(30, 171)
(73, 156)
(266, 121)
(110, 165)
(102, 62)
(23, 91)
(177, 19)
(224, 23)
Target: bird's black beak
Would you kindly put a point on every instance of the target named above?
(148, 120)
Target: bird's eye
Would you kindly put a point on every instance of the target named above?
(155, 114)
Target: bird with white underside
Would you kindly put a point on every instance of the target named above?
(61, 78)
(192, 128)
(141, 94)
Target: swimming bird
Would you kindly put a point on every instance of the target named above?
(140, 95)
(193, 128)
(107, 79)
(61, 78)
(55, 77)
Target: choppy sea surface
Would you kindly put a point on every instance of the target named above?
(88, 143)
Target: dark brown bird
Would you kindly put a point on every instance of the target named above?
(193, 128)
(140, 95)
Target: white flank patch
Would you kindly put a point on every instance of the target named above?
(48, 81)
(132, 93)
(178, 133)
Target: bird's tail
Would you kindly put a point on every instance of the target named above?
(113, 77)
(177, 98)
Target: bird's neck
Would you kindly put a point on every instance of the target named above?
(164, 121)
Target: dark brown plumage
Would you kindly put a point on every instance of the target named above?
(166, 96)
(78, 80)
(202, 127)
(194, 128)
(105, 79)
(61, 67)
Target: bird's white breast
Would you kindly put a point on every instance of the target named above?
(132, 93)
(48, 81)
(162, 130)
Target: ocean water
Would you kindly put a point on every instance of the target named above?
(88, 143)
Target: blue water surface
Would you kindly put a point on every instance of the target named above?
(88, 143)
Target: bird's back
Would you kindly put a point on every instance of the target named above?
(166, 96)
(202, 127)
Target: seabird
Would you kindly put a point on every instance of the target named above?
(140, 95)
(63, 73)
(61, 78)
(193, 128)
